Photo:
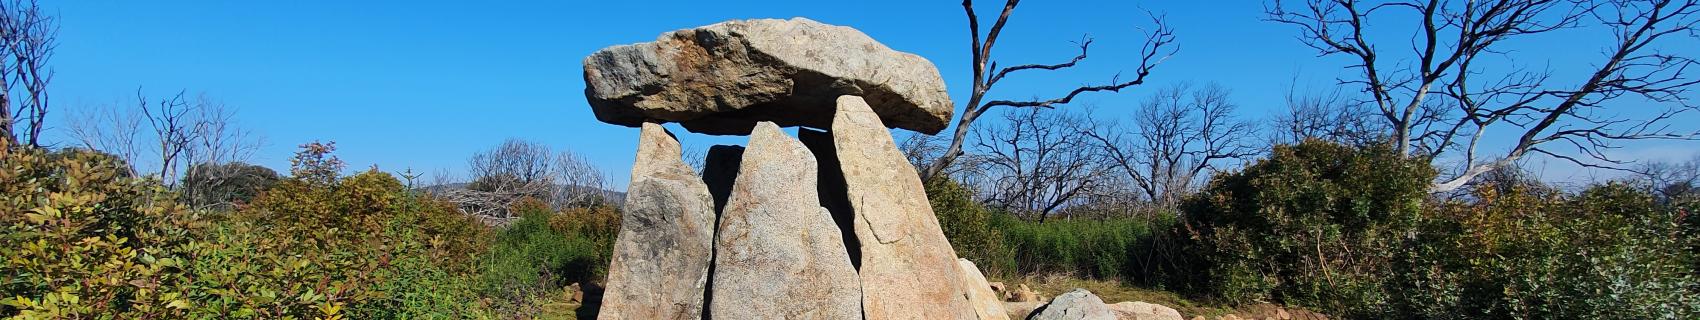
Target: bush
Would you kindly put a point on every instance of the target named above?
(1315, 224)
(319, 244)
(970, 227)
(544, 251)
(1535, 253)
(1134, 249)
(1346, 230)
(82, 240)
(208, 184)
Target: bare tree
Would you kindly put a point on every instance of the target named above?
(1324, 115)
(185, 132)
(110, 129)
(518, 169)
(174, 130)
(1036, 163)
(1454, 91)
(1673, 180)
(582, 184)
(27, 40)
(1179, 135)
(1159, 45)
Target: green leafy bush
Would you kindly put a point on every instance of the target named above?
(1531, 252)
(545, 251)
(82, 240)
(1352, 232)
(1316, 224)
(970, 227)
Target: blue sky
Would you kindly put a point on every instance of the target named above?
(424, 84)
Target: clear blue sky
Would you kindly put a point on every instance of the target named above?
(424, 84)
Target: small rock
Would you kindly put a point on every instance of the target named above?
(1145, 311)
(1023, 294)
(1076, 305)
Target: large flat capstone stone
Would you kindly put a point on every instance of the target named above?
(725, 77)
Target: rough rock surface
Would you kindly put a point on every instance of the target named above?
(980, 294)
(1139, 310)
(661, 256)
(778, 254)
(724, 77)
(1076, 305)
(908, 269)
(1022, 310)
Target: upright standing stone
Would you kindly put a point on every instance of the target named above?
(980, 294)
(661, 258)
(778, 254)
(908, 269)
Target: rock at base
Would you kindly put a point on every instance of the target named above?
(661, 256)
(1076, 305)
(908, 269)
(778, 254)
(1139, 310)
(980, 294)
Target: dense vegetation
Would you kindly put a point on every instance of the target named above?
(1352, 231)
(83, 239)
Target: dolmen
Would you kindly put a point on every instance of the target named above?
(831, 224)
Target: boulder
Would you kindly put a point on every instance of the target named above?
(1076, 305)
(723, 78)
(1138, 310)
(980, 295)
(777, 253)
(908, 270)
(662, 252)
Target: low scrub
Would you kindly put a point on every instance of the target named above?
(539, 255)
(83, 240)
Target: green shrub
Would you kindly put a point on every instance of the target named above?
(1133, 249)
(1347, 231)
(544, 251)
(1536, 253)
(1316, 224)
(362, 246)
(970, 228)
(83, 240)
